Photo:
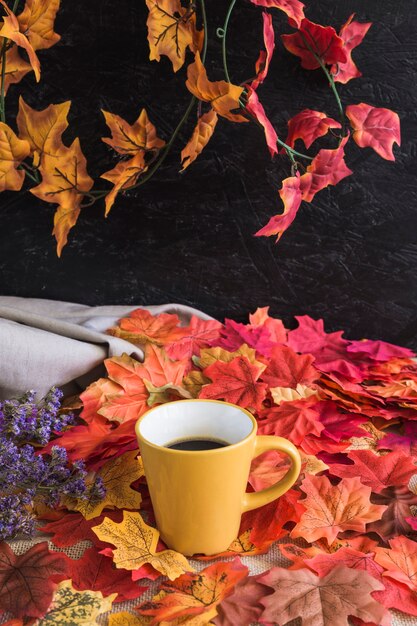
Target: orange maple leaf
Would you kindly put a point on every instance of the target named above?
(11, 31)
(12, 152)
(143, 327)
(124, 176)
(171, 29)
(202, 134)
(132, 138)
(196, 335)
(195, 594)
(222, 96)
(331, 509)
(16, 68)
(37, 22)
(400, 560)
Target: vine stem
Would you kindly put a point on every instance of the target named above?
(222, 32)
(3, 72)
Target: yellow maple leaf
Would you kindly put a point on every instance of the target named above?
(37, 22)
(16, 68)
(132, 138)
(42, 129)
(165, 393)
(211, 355)
(64, 181)
(117, 476)
(136, 543)
(11, 30)
(78, 608)
(202, 134)
(12, 152)
(288, 394)
(125, 618)
(311, 464)
(194, 381)
(222, 96)
(124, 175)
(171, 29)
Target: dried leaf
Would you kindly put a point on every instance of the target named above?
(375, 128)
(202, 134)
(12, 152)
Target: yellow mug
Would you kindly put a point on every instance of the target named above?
(199, 496)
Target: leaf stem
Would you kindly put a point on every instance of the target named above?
(222, 34)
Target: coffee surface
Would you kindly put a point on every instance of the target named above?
(197, 444)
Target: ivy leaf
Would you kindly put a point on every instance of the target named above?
(136, 544)
(242, 606)
(314, 43)
(308, 126)
(37, 22)
(11, 30)
(375, 128)
(78, 608)
(12, 152)
(255, 108)
(318, 601)
(331, 509)
(195, 594)
(293, 8)
(202, 133)
(223, 96)
(235, 382)
(352, 34)
(286, 368)
(27, 582)
(265, 56)
(129, 139)
(291, 195)
(171, 30)
(123, 176)
(117, 476)
(16, 68)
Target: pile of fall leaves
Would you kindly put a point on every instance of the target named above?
(177, 30)
(350, 407)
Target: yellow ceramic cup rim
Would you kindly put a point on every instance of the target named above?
(223, 450)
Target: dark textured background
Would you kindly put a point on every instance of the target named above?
(350, 257)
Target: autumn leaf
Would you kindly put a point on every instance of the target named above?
(352, 34)
(64, 181)
(142, 327)
(211, 355)
(331, 509)
(291, 195)
(375, 128)
(318, 601)
(72, 528)
(171, 30)
(195, 594)
(310, 336)
(294, 420)
(124, 618)
(400, 560)
(400, 503)
(78, 608)
(274, 326)
(192, 338)
(27, 582)
(267, 469)
(16, 68)
(202, 134)
(265, 56)
(12, 152)
(136, 544)
(308, 126)
(194, 381)
(243, 605)
(223, 96)
(314, 43)
(378, 472)
(123, 176)
(96, 572)
(255, 109)
(235, 382)
(293, 8)
(286, 368)
(37, 22)
(11, 30)
(287, 394)
(234, 334)
(95, 396)
(166, 393)
(117, 476)
(338, 424)
(266, 525)
(129, 139)
(379, 351)
(43, 129)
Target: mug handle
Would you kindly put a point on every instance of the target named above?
(260, 498)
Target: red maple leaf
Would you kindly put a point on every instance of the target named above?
(293, 8)
(198, 334)
(28, 581)
(265, 56)
(291, 195)
(314, 43)
(309, 125)
(327, 168)
(406, 442)
(375, 128)
(73, 528)
(256, 110)
(286, 368)
(235, 382)
(400, 561)
(234, 334)
(275, 327)
(242, 606)
(292, 420)
(352, 34)
(338, 424)
(378, 350)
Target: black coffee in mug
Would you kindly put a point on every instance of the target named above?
(194, 445)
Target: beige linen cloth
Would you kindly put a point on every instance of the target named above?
(43, 342)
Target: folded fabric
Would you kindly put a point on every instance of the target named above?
(45, 342)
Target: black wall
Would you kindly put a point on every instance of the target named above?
(350, 256)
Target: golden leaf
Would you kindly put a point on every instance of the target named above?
(165, 393)
(117, 475)
(132, 138)
(16, 68)
(171, 29)
(11, 31)
(194, 381)
(369, 441)
(211, 355)
(78, 608)
(287, 394)
(223, 96)
(124, 175)
(37, 22)
(199, 139)
(311, 464)
(64, 181)
(136, 544)
(128, 619)
(42, 129)
(12, 152)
